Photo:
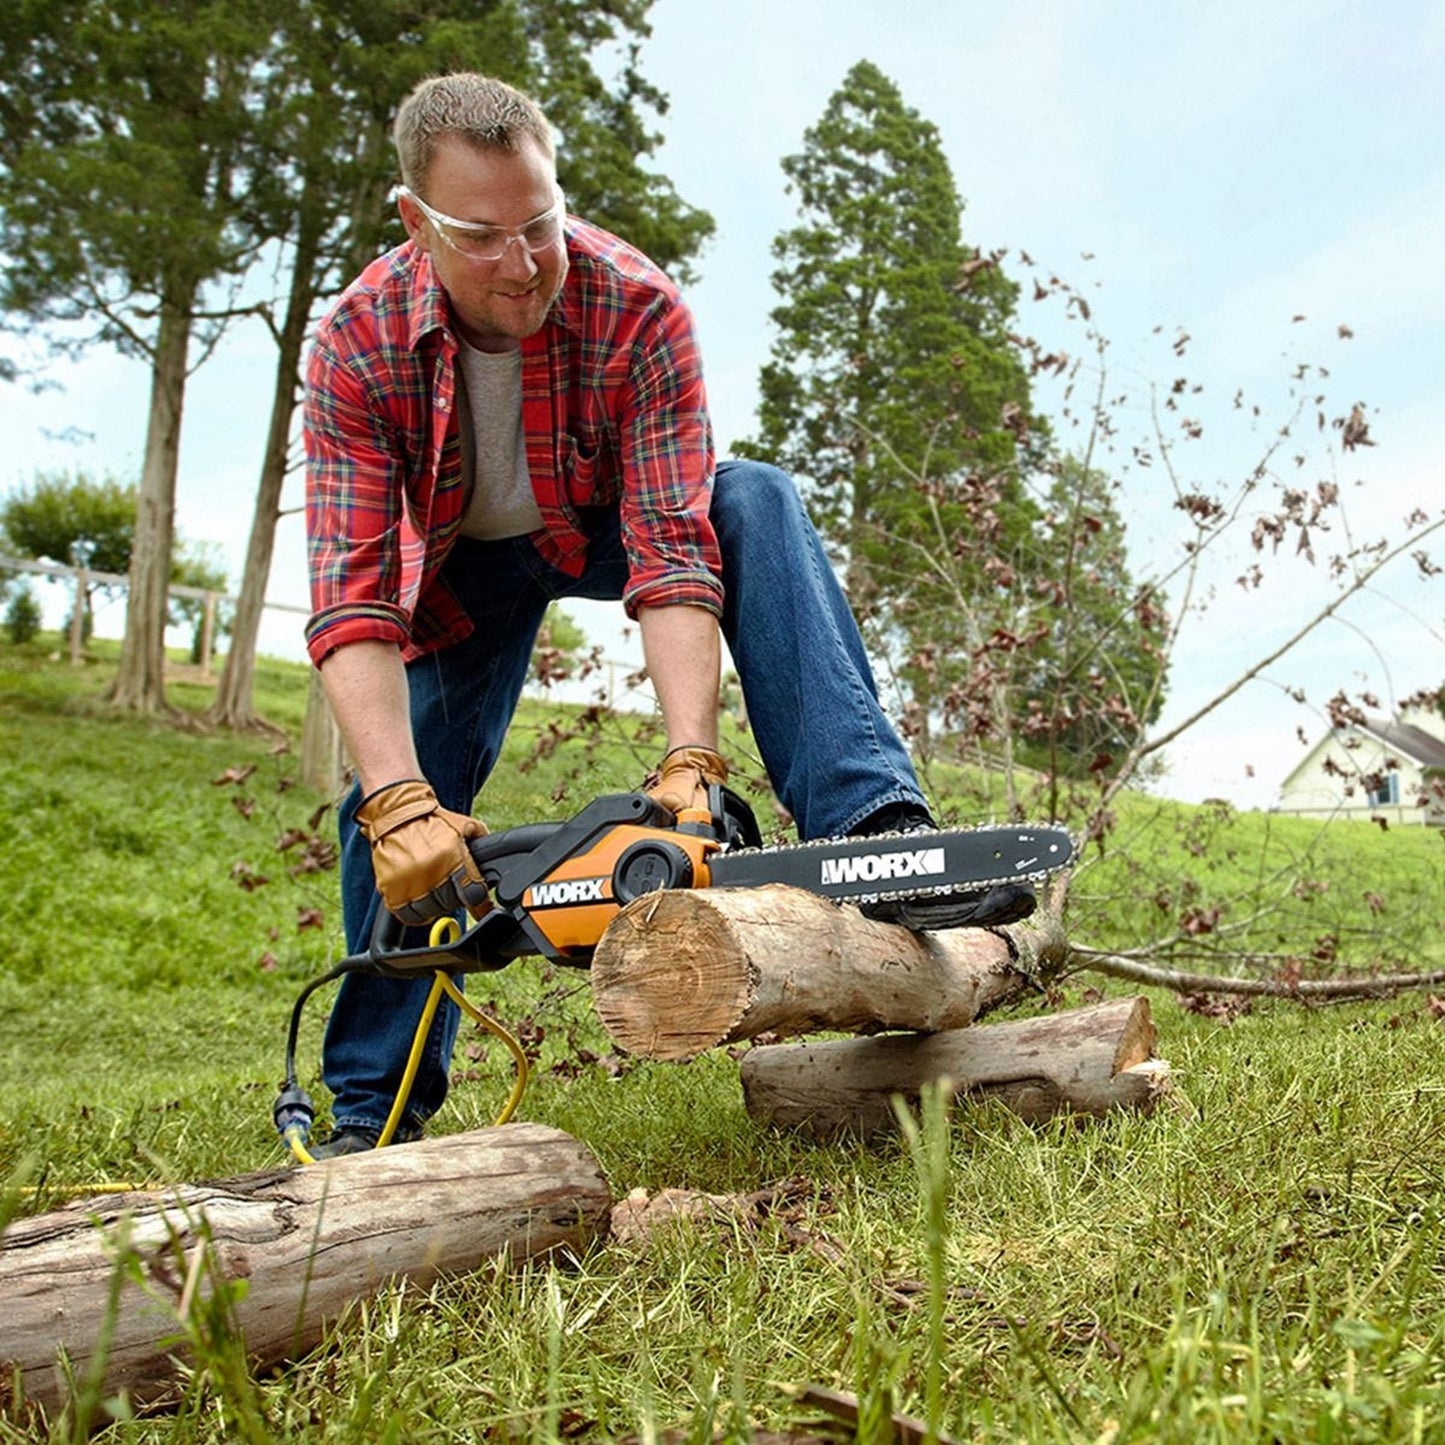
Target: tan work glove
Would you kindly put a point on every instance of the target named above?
(682, 778)
(419, 852)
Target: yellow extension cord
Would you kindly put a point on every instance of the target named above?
(444, 930)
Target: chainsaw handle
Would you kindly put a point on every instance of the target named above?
(492, 847)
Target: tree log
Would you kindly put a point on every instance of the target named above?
(680, 971)
(1088, 1061)
(307, 1242)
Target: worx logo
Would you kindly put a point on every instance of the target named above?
(874, 867)
(566, 892)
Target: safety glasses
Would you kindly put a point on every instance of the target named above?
(482, 242)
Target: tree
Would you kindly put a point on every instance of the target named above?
(74, 521)
(128, 134)
(896, 393)
(1044, 650)
(885, 369)
(71, 518)
(341, 68)
(1096, 681)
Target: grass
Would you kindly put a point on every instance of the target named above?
(1261, 1262)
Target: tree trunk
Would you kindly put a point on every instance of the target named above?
(140, 679)
(1089, 1061)
(234, 705)
(681, 971)
(306, 1242)
(323, 755)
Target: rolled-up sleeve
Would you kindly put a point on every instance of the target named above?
(667, 468)
(354, 512)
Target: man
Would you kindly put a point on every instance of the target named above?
(507, 409)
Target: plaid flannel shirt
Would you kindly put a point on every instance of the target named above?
(614, 413)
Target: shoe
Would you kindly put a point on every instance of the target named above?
(346, 1141)
(357, 1139)
(1003, 903)
(983, 908)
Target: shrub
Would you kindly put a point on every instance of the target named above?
(22, 616)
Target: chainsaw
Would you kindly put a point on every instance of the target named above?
(557, 886)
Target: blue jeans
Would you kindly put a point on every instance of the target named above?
(831, 754)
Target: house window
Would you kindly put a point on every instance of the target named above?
(1386, 790)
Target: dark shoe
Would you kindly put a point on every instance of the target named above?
(346, 1141)
(357, 1139)
(895, 818)
(1003, 903)
(985, 908)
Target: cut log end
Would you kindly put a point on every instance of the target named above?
(669, 947)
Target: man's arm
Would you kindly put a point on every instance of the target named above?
(366, 685)
(683, 652)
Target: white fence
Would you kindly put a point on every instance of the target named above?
(85, 579)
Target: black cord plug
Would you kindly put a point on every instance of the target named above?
(293, 1107)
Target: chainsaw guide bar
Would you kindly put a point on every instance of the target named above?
(900, 865)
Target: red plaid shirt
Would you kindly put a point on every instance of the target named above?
(613, 409)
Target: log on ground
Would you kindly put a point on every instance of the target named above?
(308, 1243)
(683, 970)
(1088, 1061)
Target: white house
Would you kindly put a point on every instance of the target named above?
(1380, 768)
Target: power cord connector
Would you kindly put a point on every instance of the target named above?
(294, 1113)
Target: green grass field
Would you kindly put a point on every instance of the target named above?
(1262, 1261)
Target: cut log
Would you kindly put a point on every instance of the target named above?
(307, 1242)
(1089, 1061)
(680, 971)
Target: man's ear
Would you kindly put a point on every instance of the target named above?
(417, 226)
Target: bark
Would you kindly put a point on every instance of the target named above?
(234, 705)
(681, 971)
(306, 1242)
(323, 757)
(140, 679)
(1090, 1061)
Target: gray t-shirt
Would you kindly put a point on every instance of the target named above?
(494, 452)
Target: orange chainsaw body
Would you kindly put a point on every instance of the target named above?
(573, 904)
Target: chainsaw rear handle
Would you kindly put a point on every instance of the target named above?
(512, 860)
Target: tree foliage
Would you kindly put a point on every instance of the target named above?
(988, 568)
(121, 212)
(886, 366)
(151, 152)
(71, 519)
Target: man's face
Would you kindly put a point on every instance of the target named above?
(495, 303)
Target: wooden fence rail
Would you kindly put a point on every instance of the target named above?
(86, 578)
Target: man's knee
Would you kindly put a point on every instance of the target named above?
(749, 493)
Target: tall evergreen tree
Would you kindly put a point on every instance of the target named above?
(889, 376)
(899, 395)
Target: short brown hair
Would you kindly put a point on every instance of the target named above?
(486, 113)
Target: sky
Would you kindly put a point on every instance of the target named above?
(1267, 180)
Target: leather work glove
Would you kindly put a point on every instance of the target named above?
(419, 852)
(682, 778)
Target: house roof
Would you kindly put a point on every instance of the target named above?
(1408, 740)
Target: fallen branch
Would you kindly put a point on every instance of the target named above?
(1132, 971)
(1085, 1062)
